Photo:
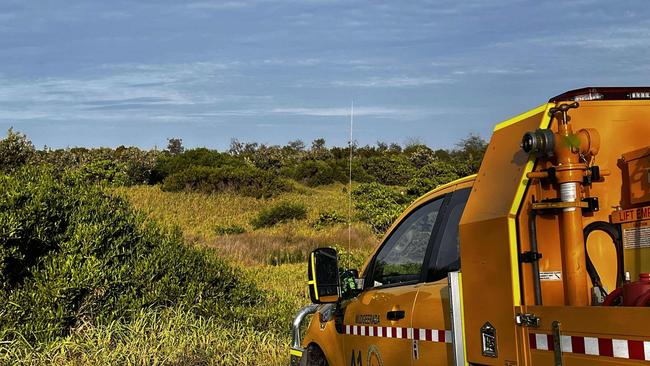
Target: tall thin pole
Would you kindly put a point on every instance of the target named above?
(350, 184)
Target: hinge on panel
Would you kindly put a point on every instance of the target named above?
(527, 320)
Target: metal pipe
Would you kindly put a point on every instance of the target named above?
(297, 321)
(537, 286)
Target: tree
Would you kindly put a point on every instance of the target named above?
(319, 151)
(318, 144)
(296, 145)
(15, 151)
(175, 146)
(236, 147)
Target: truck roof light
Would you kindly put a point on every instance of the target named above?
(640, 95)
(603, 93)
(588, 96)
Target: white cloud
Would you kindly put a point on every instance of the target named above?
(393, 82)
(358, 111)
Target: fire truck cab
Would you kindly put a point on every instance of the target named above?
(553, 235)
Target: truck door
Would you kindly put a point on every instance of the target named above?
(377, 323)
(431, 311)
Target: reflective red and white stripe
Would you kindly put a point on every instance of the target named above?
(431, 335)
(619, 348)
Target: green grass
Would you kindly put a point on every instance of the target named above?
(270, 258)
(178, 337)
(155, 337)
(199, 215)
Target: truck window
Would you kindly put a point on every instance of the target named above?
(401, 257)
(446, 252)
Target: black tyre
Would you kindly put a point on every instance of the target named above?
(314, 356)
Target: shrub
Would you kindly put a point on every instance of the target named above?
(171, 164)
(312, 173)
(328, 218)
(281, 212)
(229, 229)
(378, 205)
(245, 180)
(15, 151)
(72, 255)
(123, 165)
(420, 186)
(350, 259)
(440, 172)
(106, 172)
(390, 170)
(419, 155)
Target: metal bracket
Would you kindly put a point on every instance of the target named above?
(557, 343)
(527, 320)
(530, 257)
(557, 205)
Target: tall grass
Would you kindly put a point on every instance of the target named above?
(156, 337)
(199, 215)
(273, 259)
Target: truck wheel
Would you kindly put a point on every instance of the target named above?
(314, 356)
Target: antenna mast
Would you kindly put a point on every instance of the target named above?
(350, 183)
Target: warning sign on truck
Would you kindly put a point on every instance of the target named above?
(550, 276)
(636, 236)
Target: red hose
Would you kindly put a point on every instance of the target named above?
(613, 296)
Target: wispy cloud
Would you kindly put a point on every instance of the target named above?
(373, 111)
(124, 91)
(393, 82)
(503, 70)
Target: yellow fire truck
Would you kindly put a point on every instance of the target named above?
(542, 258)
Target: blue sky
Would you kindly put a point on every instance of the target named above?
(110, 73)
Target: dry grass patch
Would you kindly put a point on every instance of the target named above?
(200, 217)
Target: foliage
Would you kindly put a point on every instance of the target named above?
(15, 151)
(328, 218)
(378, 205)
(170, 164)
(390, 170)
(175, 146)
(244, 180)
(105, 172)
(229, 229)
(388, 164)
(350, 258)
(312, 173)
(74, 257)
(135, 166)
(281, 212)
(419, 155)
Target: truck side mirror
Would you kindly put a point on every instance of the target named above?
(323, 276)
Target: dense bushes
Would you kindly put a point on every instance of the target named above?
(281, 212)
(244, 180)
(312, 173)
(254, 169)
(72, 256)
(15, 151)
(328, 218)
(379, 205)
(390, 170)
